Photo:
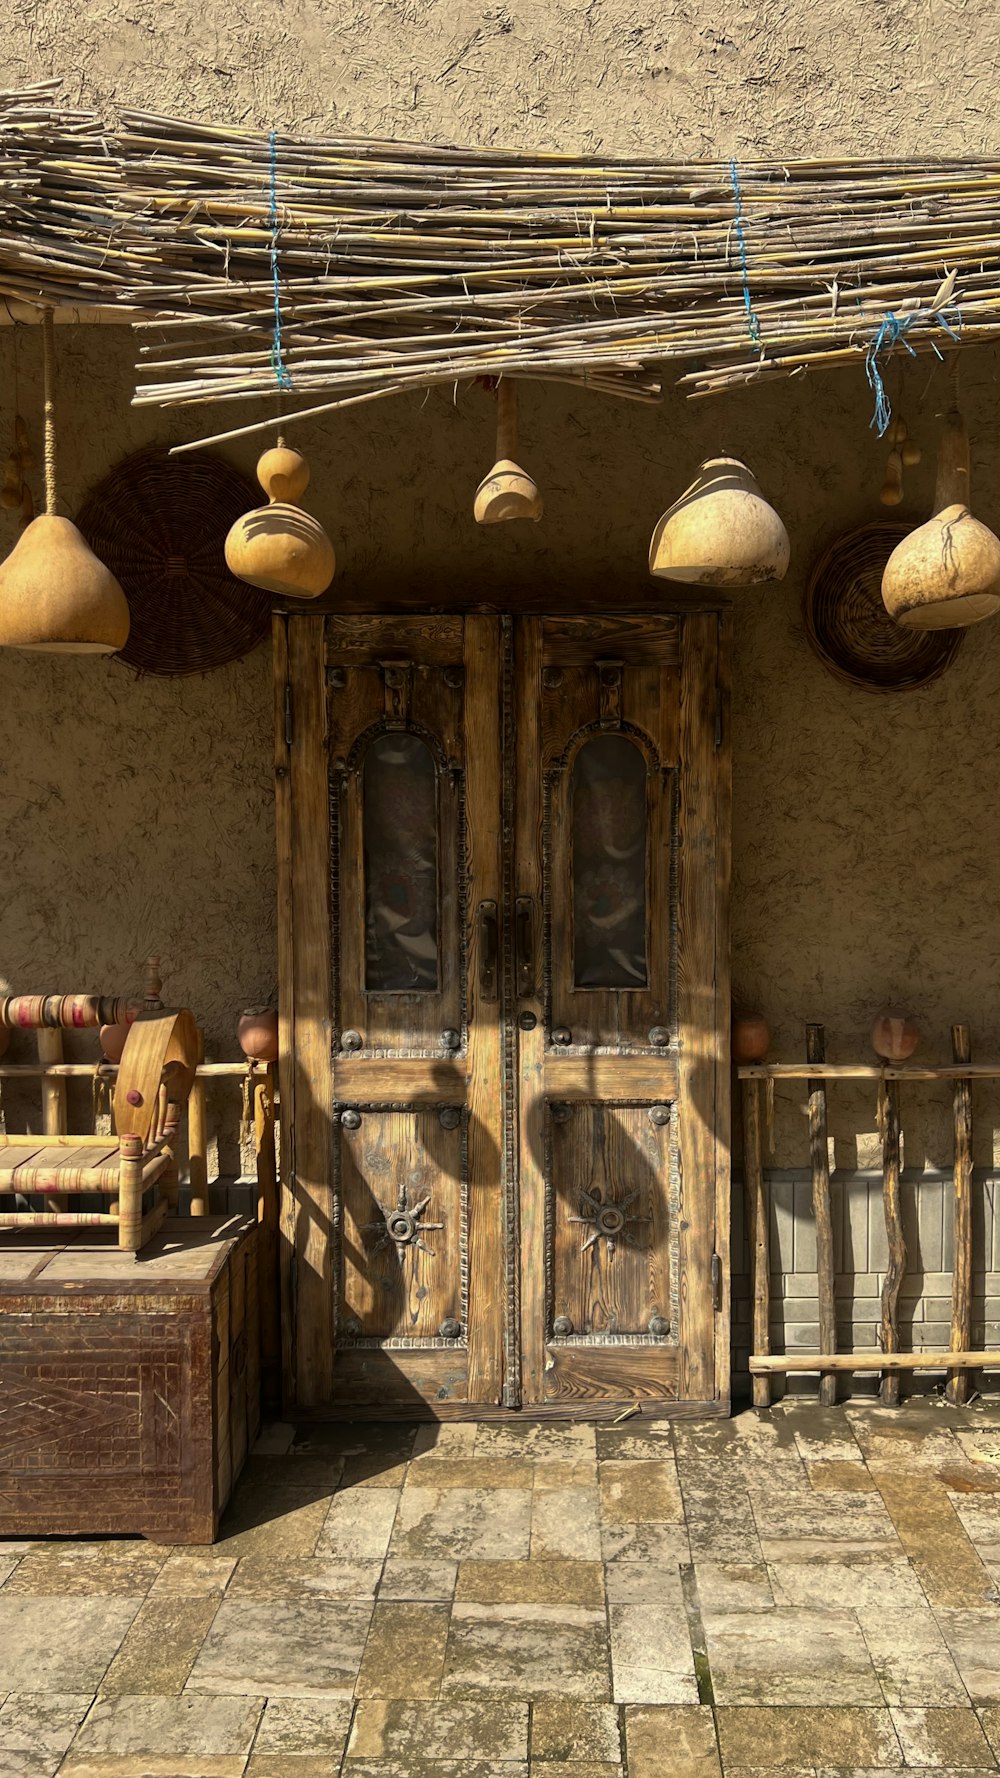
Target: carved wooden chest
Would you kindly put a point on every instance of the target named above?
(129, 1384)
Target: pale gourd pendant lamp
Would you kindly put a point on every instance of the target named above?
(721, 532)
(946, 574)
(55, 596)
(279, 547)
(508, 492)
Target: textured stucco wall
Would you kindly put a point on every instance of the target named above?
(866, 846)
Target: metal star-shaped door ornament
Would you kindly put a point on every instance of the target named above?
(404, 1226)
(610, 1220)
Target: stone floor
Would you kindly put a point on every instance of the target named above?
(810, 1590)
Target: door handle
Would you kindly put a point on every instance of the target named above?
(487, 944)
(524, 944)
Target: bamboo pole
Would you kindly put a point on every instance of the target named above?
(54, 1113)
(198, 1140)
(757, 1234)
(961, 1279)
(888, 1362)
(822, 1213)
(267, 1216)
(896, 1268)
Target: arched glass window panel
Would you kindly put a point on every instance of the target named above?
(401, 866)
(609, 864)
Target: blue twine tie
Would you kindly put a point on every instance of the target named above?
(752, 322)
(283, 376)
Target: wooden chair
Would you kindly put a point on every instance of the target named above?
(136, 1171)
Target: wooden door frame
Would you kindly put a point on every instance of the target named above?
(304, 1001)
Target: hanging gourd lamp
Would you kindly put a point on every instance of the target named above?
(946, 574)
(55, 595)
(279, 547)
(508, 492)
(721, 532)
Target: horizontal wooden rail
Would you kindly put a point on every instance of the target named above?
(60, 1070)
(866, 1071)
(874, 1361)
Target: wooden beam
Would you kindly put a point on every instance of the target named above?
(896, 1269)
(866, 1071)
(762, 1363)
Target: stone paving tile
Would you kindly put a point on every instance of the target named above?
(733, 1586)
(296, 1648)
(60, 1644)
(848, 1585)
(932, 1534)
(538, 1582)
(448, 1438)
(189, 1737)
(296, 1726)
(458, 1523)
(430, 1768)
(645, 1543)
(789, 1656)
(554, 1472)
(322, 1577)
(120, 1568)
(806, 1738)
(678, 1739)
(569, 1729)
(566, 1523)
(973, 1638)
(837, 1477)
(470, 1472)
(588, 1768)
(161, 1646)
(538, 1440)
(358, 1525)
(652, 1661)
(980, 1520)
(822, 1435)
(990, 1719)
(948, 1737)
(43, 1723)
(637, 1441)
(719, 1518)
(527, 1649)
(490, 1729)
(417, 1580)
(272, 1522)
(911, 1657)
(404, 1653)
(918, 1437)
(636, 1492)
(189, 1574)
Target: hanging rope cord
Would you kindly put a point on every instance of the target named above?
(281, 373)
(49, 410)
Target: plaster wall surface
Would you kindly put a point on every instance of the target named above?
(137, 815)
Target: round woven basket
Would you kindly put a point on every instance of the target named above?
(160, 524)
(849, 627)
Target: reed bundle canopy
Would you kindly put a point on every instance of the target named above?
(340, 269)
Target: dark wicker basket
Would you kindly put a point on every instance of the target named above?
(160, 524)
(849, 627)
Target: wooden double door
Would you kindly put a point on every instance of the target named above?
(503, 877)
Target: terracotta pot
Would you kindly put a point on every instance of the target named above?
(258, 1033)
(113, 1041)
(895, 1035)
(751, 1037)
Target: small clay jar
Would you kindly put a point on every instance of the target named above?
(113, 1041)
(895, 1035)
(257, 1032)
(751, 1038)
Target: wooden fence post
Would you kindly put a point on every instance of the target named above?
(822, 1214)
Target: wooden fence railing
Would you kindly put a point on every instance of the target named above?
(960, 1358)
